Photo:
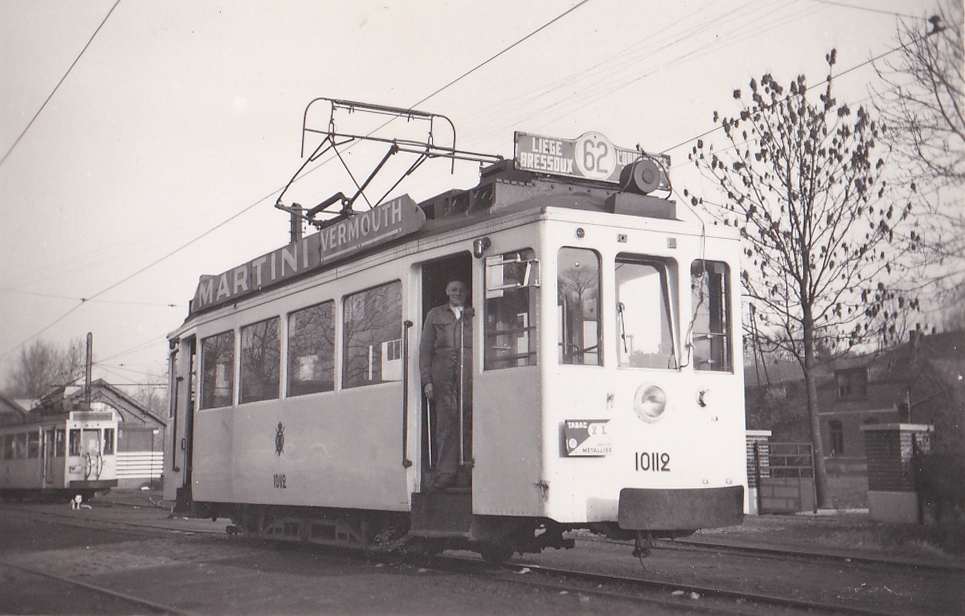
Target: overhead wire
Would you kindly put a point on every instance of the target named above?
(259, 201)
(57, 87)
(424, 99)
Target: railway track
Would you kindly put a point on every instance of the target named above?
(582, 580)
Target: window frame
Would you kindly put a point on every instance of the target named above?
(349, 377)
(666, 268)
(294, 367)
(563, 325)
(212, 402)
(245, 396)
(525, 261)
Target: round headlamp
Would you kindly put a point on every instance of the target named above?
(649, 402)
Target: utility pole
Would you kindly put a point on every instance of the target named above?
(87, 371)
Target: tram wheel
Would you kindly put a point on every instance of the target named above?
(496, 553)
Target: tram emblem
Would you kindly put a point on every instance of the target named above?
(279, 439)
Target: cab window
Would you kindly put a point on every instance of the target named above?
(645, 337)
(510, 326)
(710, 299)
(578, 306)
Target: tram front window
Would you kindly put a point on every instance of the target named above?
(578, 301)
(510, 326)
(710, 296)
(645, 336)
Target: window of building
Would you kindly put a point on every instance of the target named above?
(8, 447)
(260, 361)
(510, 325)
(217, 370)
(852, 384)
(578, 307)
(710, 297)
(373, 325)
(644, 332)
(311, 350)
(836, 430)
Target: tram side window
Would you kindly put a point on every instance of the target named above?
(20, 446)
(578, 306)
(217, 368)
(73, 446)
(311, 350)
(510, 329)
(260, 361)
(33, 444)
(710, 295)
(644, 332)
(60, 443)
(373, 335)
(108, 441)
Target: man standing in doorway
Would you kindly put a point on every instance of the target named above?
(445, 365)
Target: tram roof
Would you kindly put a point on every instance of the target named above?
(502, 191)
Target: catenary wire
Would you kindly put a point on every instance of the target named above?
(54, 91)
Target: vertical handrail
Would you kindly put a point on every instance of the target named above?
(462, 397)
(406, 462)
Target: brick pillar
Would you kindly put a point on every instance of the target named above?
(891, 491)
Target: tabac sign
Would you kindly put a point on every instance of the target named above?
(349, 236)
(591, 156)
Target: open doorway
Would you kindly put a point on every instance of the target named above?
(447, 418)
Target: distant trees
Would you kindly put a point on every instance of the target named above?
(802, 181)
(922, 100)
(44, 365)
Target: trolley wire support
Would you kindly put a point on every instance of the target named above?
(333, 140)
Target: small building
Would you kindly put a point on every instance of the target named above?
(920, 381)
(917, 382)
(11, 411)
(140, 433)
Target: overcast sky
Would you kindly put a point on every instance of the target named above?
(161, 153)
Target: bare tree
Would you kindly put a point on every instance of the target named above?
(921, 100)
(43, 366)
(803, 185)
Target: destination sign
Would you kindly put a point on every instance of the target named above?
(354, 234)
(591, 156)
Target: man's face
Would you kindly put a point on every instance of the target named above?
(457, 293)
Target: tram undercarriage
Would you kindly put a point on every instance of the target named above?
(437, 522)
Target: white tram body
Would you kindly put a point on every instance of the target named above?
(69, 453)
(607, 388)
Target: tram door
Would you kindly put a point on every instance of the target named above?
(457, 407)
(48, 454)
(183, 362)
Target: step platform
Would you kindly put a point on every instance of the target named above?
(447, 513)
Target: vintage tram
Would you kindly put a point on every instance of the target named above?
(607, 388)
(67, 454)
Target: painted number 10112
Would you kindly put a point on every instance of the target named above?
(656, 461)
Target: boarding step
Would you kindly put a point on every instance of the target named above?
(442, 514)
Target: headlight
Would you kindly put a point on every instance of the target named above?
(649, 402)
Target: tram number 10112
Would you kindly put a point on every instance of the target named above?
(658, 462)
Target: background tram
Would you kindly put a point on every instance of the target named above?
(64, 455)
(607, 388)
